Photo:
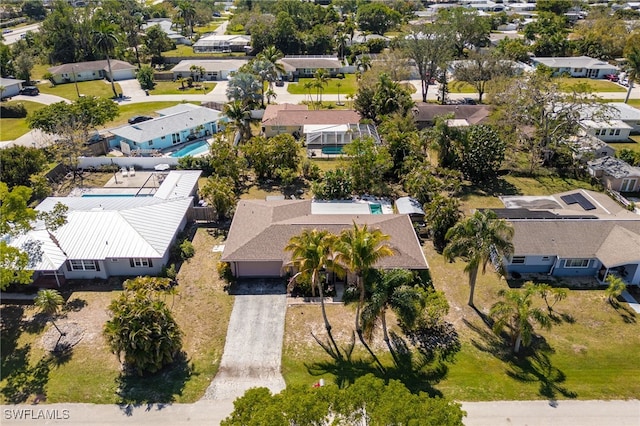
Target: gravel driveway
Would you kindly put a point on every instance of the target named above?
(253, 349)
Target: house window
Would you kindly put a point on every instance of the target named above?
(617, 132)
(140, 263)
(163, 137)
(150, 143)
(576, 263)
(175, 138)
(517, 259)
(611, 131)
(83, 265)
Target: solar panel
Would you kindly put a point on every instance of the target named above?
(569, 199)
(583, 202)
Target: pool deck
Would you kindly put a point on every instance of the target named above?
(142, 183)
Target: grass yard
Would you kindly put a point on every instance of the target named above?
(349, 86)
(99, 88)
(90, 373)
(461, 87)
(175, 88)
(13, 128)
(569, 83)
(633, 145)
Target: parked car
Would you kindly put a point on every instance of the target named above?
(279, 83)
(30, 91)
(611, 77)
(469, 101)
(139, 119)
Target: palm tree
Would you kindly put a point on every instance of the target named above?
(239, 113)
(308, 85)
(320, 79)
(311, 252)
(49, 303)
(517, 314)
(478, 239)
(633, 68)
(187, 11)
(270, 94)
(341, 43)
(272, 55)
(616, 287)
(391, 291)
(358, 250)
(339, 85)
(105, 38)
(264, 70)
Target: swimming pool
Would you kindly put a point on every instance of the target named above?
(192, 149)
(375, 208)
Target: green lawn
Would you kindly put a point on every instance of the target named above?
(99, 88)
(568, 83)
(187, 51)
(634, 145)
(461, 87)
(175, 88)
(13, 128)
(349, 85)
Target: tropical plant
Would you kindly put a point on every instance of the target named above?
(105, 37)
(441, 214)
(517, 313)
(219, 193)
(479, 239)
(616, 286)
(49, 302)
(551, 295)
(358, 250)
(312, 253)
(632, 55)
(246, 88)
(239, 114)
(187, 12)
(145, 77)
(272, 56)
(320, 80)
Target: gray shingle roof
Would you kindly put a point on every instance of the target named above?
(91, 66)
(288, 117)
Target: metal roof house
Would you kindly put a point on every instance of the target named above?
(578, 233)
(615, 174)
(410, 206)
(261, 229)
(111, 236)
(176, 125)
(222, 43)
(165, 25)
(577, 66)
(92, 70)
(214, 69)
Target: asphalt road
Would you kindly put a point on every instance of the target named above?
(17, 33)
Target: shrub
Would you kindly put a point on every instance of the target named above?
(169, 272)
(186, 250)
(13, 111)
(310, 170)
(224, 271)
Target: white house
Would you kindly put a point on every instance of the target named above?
(177, 124)
(577, 66)
(222, 43)
(92, 70)
(214, 69)
(111, 236)
(614, 111)
(165, 25)
(11, 87)
(607, 130)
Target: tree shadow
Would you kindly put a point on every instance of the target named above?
(156, 389)
(25, 380)
(627, 314)
(492, 187)
(10, 331)
(74, 306)
(489, 343)
(538, 368)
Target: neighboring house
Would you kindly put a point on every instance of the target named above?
(607, 130)
(261, 229)
(92, 70)
(289, 118)
(214, 69)
(424, 115)
(10, 87)
(364, 38)
(222, 43)
(410, 206)
(165, 25)
(577, 66)
(518, 67)
(615, 174)
(614, 111)
(586, 147)
(305, 66)
(111, 236)
(177, 124)
(574, 234)
(331, 138)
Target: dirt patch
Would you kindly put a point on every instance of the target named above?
(69, 335)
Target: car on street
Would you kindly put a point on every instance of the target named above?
(30, 91)
(611, 77)
(139, 119)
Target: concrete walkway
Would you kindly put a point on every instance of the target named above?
(633, 303)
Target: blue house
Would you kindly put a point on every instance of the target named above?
(574, 234)
(175, 125)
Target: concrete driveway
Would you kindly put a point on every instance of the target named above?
(253, 349)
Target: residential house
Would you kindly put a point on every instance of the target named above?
(175, 125)
(290, 118)
(586, 147)
(607, 130)
(166, 25)
(305, 66)
(577, 66)
(222, 43)
(92, 70)
(10, 87)
(109, 236)
(578, 233)
(261, 229)
(214, 69)
(424, 114)
(615, 174)
(614, 111)
(331, 138)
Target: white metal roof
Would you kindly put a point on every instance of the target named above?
(408, 205)
(611, 124)
(177, 184)
(209, 65)
(44, 254)
(575, 62)
(339, 207)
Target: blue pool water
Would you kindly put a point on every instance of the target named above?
(192, 149)
(375, 208)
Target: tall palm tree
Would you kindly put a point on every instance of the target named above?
(358, 250)
(478, 239)
(311, 252)
(308, 85)
(633, 68)
(105, 38)
(320, 79)
(49, 303)
(516, 313)
(391, 290)
(239, 113)
(264, 70)
(272, 55)
(187, 11)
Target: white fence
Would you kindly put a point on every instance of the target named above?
(139, 163)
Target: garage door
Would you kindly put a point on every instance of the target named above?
(259, 269)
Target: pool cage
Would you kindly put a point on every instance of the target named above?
(330, 139)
